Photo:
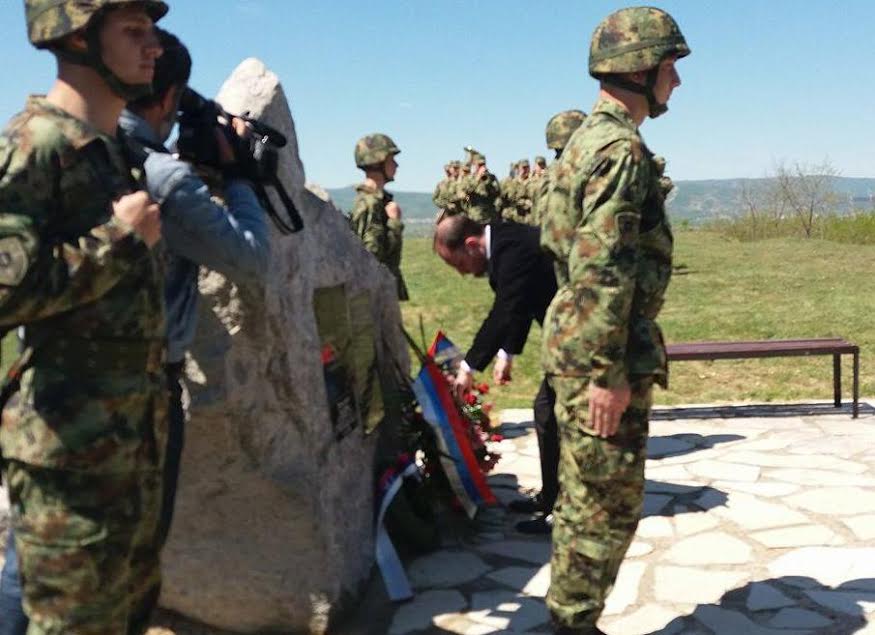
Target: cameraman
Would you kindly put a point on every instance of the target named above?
(196, 231)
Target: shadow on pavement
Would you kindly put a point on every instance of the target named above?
(660, 447)
(789, 604)
(672, 499)
(757, 410)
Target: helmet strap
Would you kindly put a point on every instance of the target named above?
(655, 108)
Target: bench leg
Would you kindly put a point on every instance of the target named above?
(837, 380)
(856, 409)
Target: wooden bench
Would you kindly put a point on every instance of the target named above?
(834, 346)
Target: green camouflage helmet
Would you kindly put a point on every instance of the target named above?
(634, 39)
(539, 160)
(50, 20)
(523, 163)
(561, 126)
(373, 149)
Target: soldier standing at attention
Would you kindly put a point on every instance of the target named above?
(482, 192)
(607, 229)
(376, 218)
(536, 182)
(84, 439)
(523, 202)
(559, 130)
(441, 190)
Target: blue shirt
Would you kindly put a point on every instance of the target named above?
(231, 240)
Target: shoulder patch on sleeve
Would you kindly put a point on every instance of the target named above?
(13, 261)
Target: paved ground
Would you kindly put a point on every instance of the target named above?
(757, 521)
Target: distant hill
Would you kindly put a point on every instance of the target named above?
(699, 201)
(694, 201)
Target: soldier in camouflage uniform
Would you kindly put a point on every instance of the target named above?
(83, 440)
(522, 203)
(482, 194)
(447, 194)
(506, 188)
(559, 130)
(536, 183)
(441, 190)
(376, 218)
(607, 229)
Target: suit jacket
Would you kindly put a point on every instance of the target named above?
(522, 277)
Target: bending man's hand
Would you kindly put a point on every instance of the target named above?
(606, 407)
(462, 384)
(501, 370)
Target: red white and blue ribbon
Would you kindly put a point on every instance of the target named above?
(394, 577)
(440, 410)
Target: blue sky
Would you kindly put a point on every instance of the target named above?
(767, 81)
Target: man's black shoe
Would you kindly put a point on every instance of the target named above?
(564, 630)
(540, 525)
(526, 505)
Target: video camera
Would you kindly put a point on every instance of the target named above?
(257, 157)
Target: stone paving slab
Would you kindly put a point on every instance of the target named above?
(753, 525)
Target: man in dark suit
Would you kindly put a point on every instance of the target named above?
(522, 277)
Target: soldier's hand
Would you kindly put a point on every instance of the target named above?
(393, 210)
(501, 371)
(142, 213)
(606, 407)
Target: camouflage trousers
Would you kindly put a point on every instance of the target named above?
(601, 493)
(86, 548)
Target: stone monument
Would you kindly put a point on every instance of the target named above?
(273, 527)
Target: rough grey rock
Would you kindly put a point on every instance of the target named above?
(274, 517)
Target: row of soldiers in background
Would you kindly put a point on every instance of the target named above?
(520, 189)
(469, 188)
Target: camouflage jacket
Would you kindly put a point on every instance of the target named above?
(90, 295)
(482, 198)
(607, 229)
(518, 202)
(448, 197)
(381, 235)
(540, 189)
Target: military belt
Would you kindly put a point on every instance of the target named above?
(113, 355)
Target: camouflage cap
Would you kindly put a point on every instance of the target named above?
(539, 160)
(561, 126)
(477, 158)
(634, 39)
(455, 163)
(373, 149)
(523, 163)
(50, 20)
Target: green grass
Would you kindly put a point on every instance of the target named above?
(723, 290)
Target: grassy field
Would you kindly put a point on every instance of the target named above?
(723, 290)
